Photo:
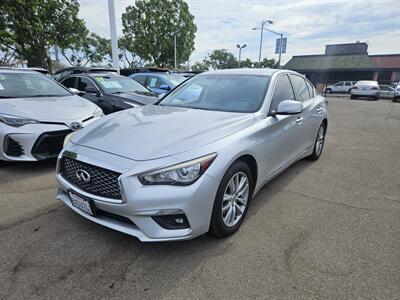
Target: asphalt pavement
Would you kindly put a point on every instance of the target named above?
(328, 229)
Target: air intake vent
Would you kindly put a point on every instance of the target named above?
(12, 147)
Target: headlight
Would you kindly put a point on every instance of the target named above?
(68, 137)
(16, 121)
(98, 113)
(181, 174)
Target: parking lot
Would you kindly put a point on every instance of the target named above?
(324, 229)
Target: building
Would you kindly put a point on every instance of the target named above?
(347, 62)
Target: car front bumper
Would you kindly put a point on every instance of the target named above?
(140, 204)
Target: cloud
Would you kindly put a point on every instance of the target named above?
(308, 24)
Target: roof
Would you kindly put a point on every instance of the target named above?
(11, 70)
(325, 62)
(244, 71)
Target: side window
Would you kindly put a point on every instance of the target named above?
(283, 91)
(347, 83)
(141, 80)
(300, 88)
(339, 84)
(154, 82)
(310, 89)
(69, 82)
(85, 84)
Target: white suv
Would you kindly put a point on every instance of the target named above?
(340, 87)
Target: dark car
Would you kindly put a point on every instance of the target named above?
(62, 73)
(111, 92)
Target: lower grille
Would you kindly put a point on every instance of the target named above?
(12, 147)
(102, 182)
(49, 144)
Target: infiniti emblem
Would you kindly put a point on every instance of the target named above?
(82, 175)
(75, 126)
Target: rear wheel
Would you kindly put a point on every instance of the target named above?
(353, 97)
(319, 143)
(232, 200)
(328, 91)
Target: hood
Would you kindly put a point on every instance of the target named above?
(139, 97)
(153, 131)
(49, 109)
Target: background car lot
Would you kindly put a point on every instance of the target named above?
(328, 229)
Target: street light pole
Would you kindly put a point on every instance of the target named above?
(174, 52)
(240, 51)
(261, 39)
(113, 33)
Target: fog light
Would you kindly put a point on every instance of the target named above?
(172, 221)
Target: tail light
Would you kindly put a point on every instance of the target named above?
(354, 88)
(374, 88)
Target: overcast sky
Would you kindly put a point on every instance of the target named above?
(308, 24)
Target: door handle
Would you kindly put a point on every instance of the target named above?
(299, 119)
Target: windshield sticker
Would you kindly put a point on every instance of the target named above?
(99, 78)
(1, 87)
(111, 84)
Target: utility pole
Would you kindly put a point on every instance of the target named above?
(174, 52)
(261, 38)
(113, 33)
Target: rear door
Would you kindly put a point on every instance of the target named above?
(338, 87)
(347, 87)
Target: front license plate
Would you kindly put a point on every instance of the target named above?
(81, 203)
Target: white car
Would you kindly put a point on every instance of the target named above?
(396, 96)
(366, 88)
(386, 91)
(36, 114)
(340, 87)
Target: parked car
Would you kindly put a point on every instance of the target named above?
(110, 92)
(36, 114)
(340, 87)
(129, 71)
(192, 162)
(365, 88)
(62, 73)
(158, 83)
(396, 94)
(386, 91)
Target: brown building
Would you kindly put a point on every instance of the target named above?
(349, 62)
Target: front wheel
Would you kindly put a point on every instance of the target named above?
(319, 143)
(328, 91)
(353, 97)
(232, 200)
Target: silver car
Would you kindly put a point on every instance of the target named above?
(36, 114)
(365, 88)
(192, 163)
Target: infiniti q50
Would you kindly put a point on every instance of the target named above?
(192, 162)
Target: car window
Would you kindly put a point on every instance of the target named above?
(310, 89)
(84, 84)
(347, 83)
(339, 84)
(141, 79)
(233, 93)
(283, 91)
(382, 87)
(115, 84)
(21, 85)
(154, 82)
(69, 82)
(299, 87)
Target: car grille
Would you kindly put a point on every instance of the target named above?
(103, 182)
(12, 147)
(49, 144)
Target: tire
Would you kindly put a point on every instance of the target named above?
(328, 91)
(353, 97)
(349, 91)
(319, 143)
(221, 224)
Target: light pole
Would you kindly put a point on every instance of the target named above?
(274, 32)
(174, 52)
(261, 38)
(113, 32)
(240, 51)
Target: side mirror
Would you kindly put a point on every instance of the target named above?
(164, 87)
(289, 107)
(77, 92)
(90, 90)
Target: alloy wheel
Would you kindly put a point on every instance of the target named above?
(235, 199)
(319, 144)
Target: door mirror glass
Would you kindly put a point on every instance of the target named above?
(289, 107)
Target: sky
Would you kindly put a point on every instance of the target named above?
(308, 24)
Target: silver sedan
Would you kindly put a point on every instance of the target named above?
(191, 163)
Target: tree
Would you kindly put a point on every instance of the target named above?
(31, 27)
(247, 63)
(152, 24)
(268, 63)
(222, 59)
(127, 53)
(201, 65)
(92, 49)
(8, 57)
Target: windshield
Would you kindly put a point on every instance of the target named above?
(25, 85)
(234, 93)
(119, 84)
(175, 79)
